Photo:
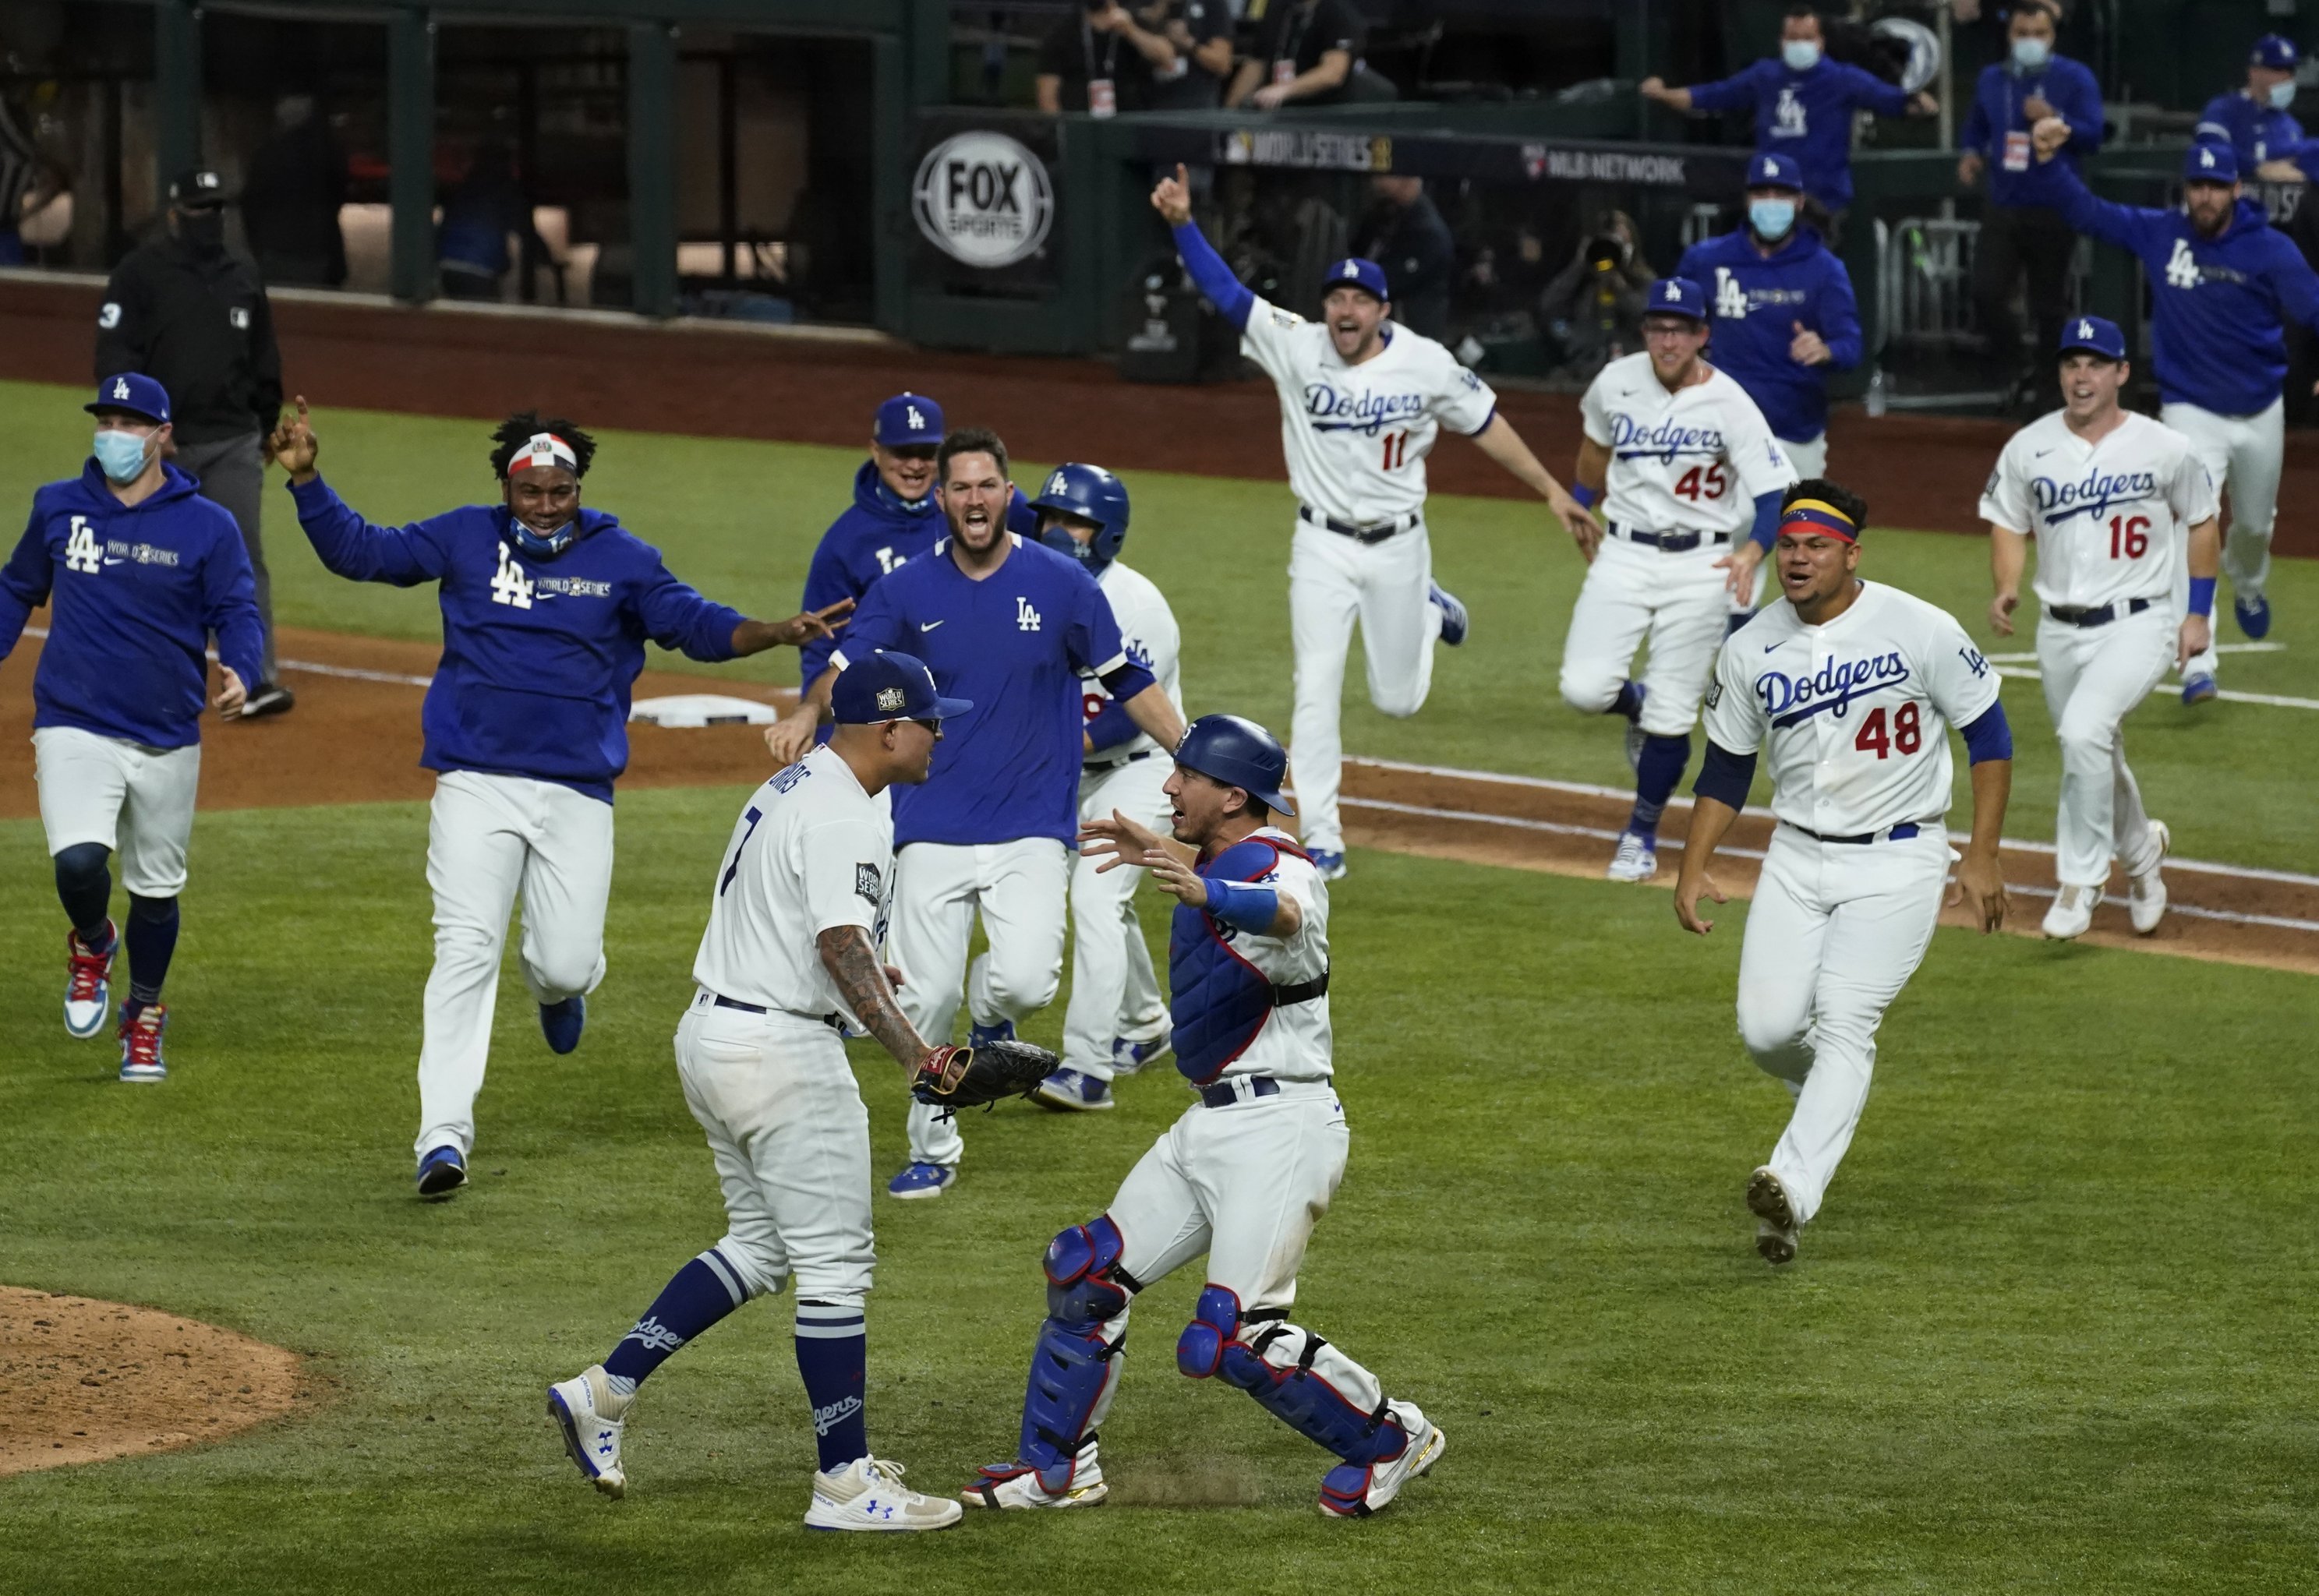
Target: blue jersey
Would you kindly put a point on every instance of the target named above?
(1806, 115)
(2259, 134)
(2217, 305)
(1014, 644)
(1998, 128)
(538, 656)
(1756, 301)
(135, 592)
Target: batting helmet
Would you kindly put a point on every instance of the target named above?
(1093, 494)
(1238, 753)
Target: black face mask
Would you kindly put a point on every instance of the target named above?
(202, 231)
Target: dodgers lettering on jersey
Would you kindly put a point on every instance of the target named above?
(1853, 715)
(2112, 518)
(1222, 975)
(810, 850)
(1149, 636)
(1355, 436)
(1692, 460)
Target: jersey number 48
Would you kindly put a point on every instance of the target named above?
(1702, 481)
(1904, 734)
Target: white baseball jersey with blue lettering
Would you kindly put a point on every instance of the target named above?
(1148, 631)
(1689, 461)
(2112, 518)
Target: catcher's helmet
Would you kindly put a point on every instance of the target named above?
(1091, 493)
(1240, 754)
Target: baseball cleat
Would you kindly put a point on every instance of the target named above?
(88, 983)
(1775, 1216)
(979, 1035)
(2145, 893)
(141, 1043)
(2198, 689)
(583, 1409)
(267, 697)
(444, 1171)
(1357, 1490)
(922, 1180)
(2253, 615)
(562, 1022)
(868, 1493)
(1635, 860)
(1074, 1089)
(1455, 621)
(2072, 914)
(1329, 861)
(1128, 1056)
(1010, 1486)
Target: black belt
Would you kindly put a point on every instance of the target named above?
(1672, 543)
(1113, 764)
(1899, 834)
(1377, 534)
(2069, 616)
(1223, 1094)
(835, 1021)
(1301, 991)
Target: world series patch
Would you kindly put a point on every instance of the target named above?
(1715, 692)
(866, 883)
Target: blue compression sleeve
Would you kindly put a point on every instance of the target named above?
(1111, 727)
(1725, 775)
(2202, 595)
(1989, 737)
(1213, 278)
(1126, 682)
(1767, 519)
(1244, 905)
(1588, 498)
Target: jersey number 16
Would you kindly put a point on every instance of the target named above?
(2129, 539)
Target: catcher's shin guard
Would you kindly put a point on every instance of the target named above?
(1075, 1366)
(1299, 1378)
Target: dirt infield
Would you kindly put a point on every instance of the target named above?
(81, 1380)
(615, 371)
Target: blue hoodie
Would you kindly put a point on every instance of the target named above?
(2067, 85)
(2217, 305)
(136, 591)
(2259, 134)
(1806, 114)
(1756, 301)
(538, 656)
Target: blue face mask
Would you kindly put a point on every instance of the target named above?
(1772, 219)
(121, 456)
(2030, 54)
(2282, 95)
(1802, 55)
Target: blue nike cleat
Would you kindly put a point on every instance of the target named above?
(562, 1022)
(444, 1171)
(922, 1180)
(1454, 619)
(1128, 1056)
(1329, 861)
(2255, 615)
(1072, 1089)
(2198, 689)
(980, 1036)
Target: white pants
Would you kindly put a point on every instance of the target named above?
(1633, 591)
(1114, 991)
(2093, 677)
(785, 1123)
(135, 800)
(1835, 931)
(1334, 581)
(2242, 454)
(489, 838)
(1811, 458)
(1021, 888)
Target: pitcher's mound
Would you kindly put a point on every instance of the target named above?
(83, 1379)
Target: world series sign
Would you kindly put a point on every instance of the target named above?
(984, 200)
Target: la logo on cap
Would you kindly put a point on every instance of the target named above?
(1673, 291)
(2206, 157)
(1058, 482)
(891, 699)
(121, 388)
(2085, 329)
(917, 419)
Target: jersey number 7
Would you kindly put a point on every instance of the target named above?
(753, 814)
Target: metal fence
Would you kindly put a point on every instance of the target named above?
(1931, 350)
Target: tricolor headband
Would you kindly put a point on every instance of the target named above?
(1819, 513)
(544, 449)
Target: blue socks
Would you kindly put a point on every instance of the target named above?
(1660, 768)
(152, 939)
(1630, 701)
(697, 1296)
(833, 1355)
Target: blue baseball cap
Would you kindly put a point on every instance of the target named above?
(2094, 335)
(2210, 163)
(2275, 51)
(133, 392)
(1676, 296)
(908, 419)
(1775, 171)
(1353, 272)
(885, 685)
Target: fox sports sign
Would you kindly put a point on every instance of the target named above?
(984, 199)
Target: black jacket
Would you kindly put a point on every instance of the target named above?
(200, 327)
(1420, 257)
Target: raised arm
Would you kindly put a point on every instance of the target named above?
(347, 544)
(1172, 198)
(2062, 188)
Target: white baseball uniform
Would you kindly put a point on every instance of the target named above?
(1114, 991)
(2244, 455)
(1685, 470)
(2111, 520)
(1355, 439)
(122, 796)
(1852, 718)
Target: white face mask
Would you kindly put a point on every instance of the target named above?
(1802, 55)
(2282, 95)
(2029, 54)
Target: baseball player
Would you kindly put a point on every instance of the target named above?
(1243, 1176)
(2115, 501)
(1118, 1022)
(1009, 623)
(545, 608)
(1693, 476)
(1361, 402)
(795, 921)
(139, 571)
(2223, 282)
(1849, 686)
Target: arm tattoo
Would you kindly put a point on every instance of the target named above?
(853, 963)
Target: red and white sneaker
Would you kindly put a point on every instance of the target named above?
(88, 983)
(141, 1043)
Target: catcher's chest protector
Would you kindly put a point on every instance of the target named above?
(1221, 999)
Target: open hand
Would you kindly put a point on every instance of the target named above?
(295, 445)
(1741, 563)
(1120, 840)
(1173, 198)
(1269, 97)
(1172, 876)
(802, 628)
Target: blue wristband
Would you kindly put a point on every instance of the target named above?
(1244, 904)
(1588, 498)
(2202, 595)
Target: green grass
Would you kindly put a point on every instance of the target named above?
(2051, 1333)
(740, 518)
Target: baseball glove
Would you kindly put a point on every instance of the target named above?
(953, 1078)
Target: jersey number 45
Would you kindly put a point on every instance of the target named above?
(1702, 481)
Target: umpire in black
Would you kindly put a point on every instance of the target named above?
(184, 310)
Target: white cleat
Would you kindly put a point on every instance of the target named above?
(868, 1493)
(581, 1407)
(2145, 894)
(1010, 1486)
(1355, 1491)
(1775, 1216)
(2072, 914)
(1636, 859)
